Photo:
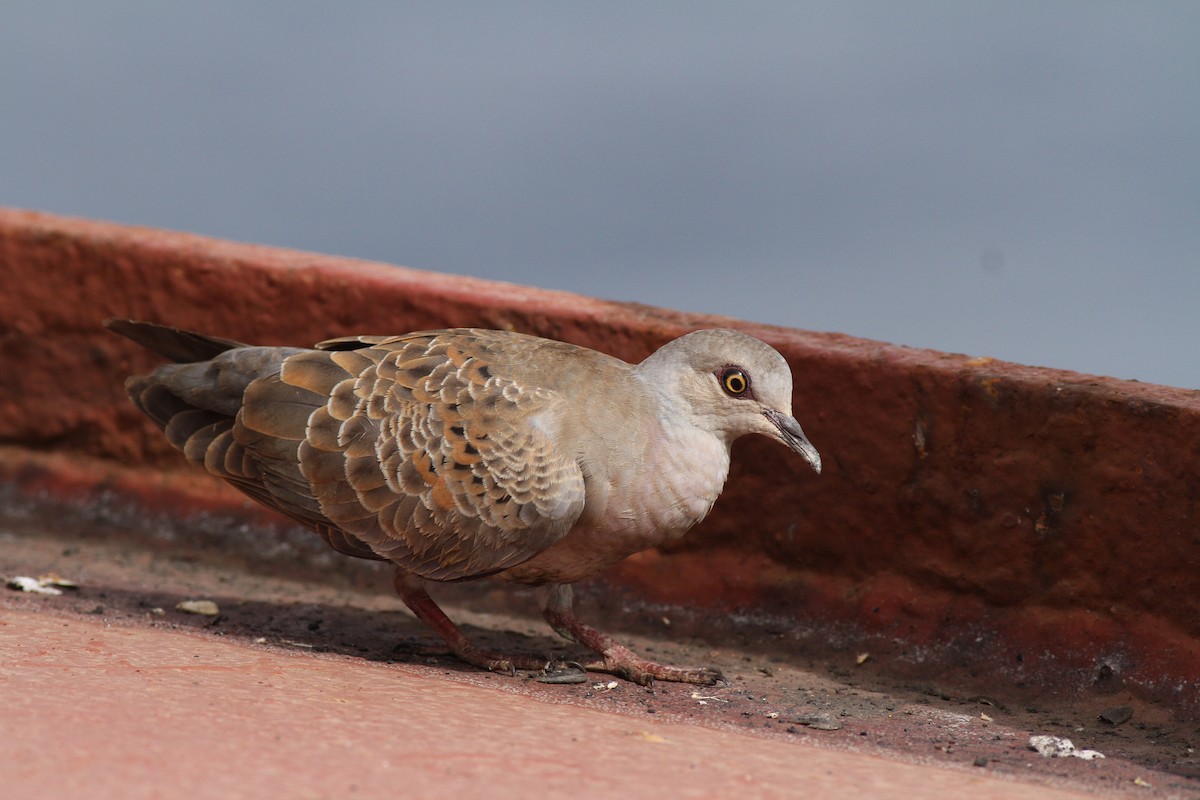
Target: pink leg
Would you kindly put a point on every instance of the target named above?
(412, 592)
(617, 659)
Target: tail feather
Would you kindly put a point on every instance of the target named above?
(155, 400)
(178, 345)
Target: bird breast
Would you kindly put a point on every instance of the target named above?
(681, 478)
(637, 504)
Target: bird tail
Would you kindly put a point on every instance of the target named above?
(196, 399)
(198, 402)
(182, 347)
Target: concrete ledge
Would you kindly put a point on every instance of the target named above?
(1024, 519)
(105, 711)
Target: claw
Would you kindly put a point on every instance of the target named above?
(615, 658)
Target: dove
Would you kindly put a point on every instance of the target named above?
(464, 453)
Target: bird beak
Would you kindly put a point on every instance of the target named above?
(791, 435)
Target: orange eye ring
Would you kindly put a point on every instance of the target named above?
(735, 382)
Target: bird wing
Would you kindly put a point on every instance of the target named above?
(417, 446)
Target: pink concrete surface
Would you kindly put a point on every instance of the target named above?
(96, 711)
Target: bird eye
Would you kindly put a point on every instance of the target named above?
(734, 382)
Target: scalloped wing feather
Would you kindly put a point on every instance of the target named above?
(406, 448)
(450, 479)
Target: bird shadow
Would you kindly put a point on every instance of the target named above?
(370, 632)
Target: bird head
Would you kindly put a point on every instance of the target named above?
(730, 384)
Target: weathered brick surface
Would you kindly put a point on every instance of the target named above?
(1051, 511)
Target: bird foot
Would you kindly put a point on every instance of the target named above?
(413, 594)
(638, 670)
(644, 672)
(617, 659)
(492, 661)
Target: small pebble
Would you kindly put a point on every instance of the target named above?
(818, 722)
(1116, 715)
(205, 608)
(23, 583)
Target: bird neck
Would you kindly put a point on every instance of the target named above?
(683, 473)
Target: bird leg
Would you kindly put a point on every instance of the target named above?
(412, 591)
(617, 660)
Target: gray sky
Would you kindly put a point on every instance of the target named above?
(1009, 179)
